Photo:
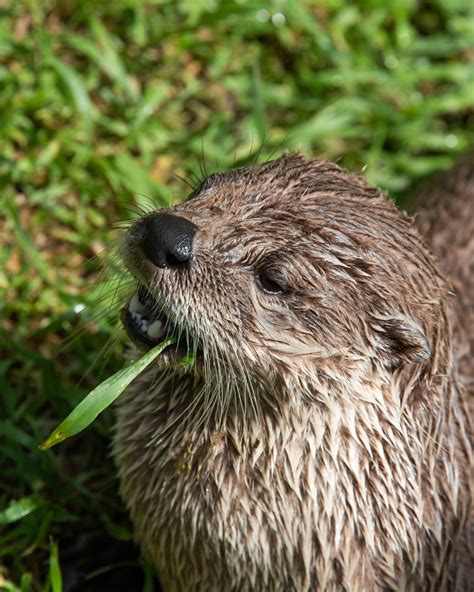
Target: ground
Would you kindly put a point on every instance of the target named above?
(110, 108)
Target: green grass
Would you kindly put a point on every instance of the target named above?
(101, 105)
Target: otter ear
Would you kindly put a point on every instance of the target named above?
(401, 340)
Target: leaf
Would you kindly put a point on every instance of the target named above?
(100, 398)
(101, 50)
(110, 59)
(134, 175)
(18, 509)
(55, 576)
(74, 85)
(187, 360)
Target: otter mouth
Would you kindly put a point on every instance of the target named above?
(147, 325)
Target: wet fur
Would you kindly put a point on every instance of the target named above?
(322, 441)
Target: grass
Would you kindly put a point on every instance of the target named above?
(101, 397)
(103, 106)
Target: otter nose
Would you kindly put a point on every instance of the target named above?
(168, 240)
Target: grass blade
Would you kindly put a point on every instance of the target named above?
(100, 398)
(18, 509)
(55, 575)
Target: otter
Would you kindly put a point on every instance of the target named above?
(320, 440)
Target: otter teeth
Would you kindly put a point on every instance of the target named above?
(136, 306)
(141, 317)
(155, 330)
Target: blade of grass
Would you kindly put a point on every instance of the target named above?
(100, 398)
(75, 88)
(18, 509)
(55, 576)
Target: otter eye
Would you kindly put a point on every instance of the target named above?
(268, 285)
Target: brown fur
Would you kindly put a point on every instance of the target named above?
(321, 442)
(444, 213)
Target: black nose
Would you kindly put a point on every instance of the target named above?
(168, 240)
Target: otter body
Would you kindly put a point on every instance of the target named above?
(320, 441)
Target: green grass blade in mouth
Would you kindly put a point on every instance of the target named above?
(188, 359)
(101, 397)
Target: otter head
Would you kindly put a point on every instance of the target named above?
(287, 273)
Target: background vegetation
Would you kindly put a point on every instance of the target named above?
(103, 106)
